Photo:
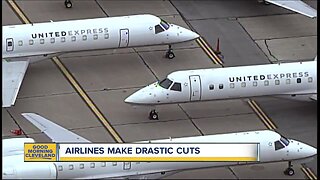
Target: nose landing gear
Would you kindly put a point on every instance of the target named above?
(169, 53)
(153, 115)
(289, 171)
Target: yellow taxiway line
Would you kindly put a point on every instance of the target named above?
(208, 50)
(307, 171)
(72, 80)
(265, 119)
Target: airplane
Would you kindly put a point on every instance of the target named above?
(296, 80)
(27, 43)
(273, 148)
(293, 5)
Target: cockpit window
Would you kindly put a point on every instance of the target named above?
(284, 140)
(165, 83)
(164, 24)
(176, 87)
(278, 145)
(158, 29)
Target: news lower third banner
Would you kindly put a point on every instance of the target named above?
(196, 152)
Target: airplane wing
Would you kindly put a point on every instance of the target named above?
(12, 76)
(55, 132)
(296, 6)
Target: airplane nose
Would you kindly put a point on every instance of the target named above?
(309, 150)
(132, 99)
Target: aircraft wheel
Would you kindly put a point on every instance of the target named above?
(68, 4)
(289, 172)
(170, 54)
(153, 115)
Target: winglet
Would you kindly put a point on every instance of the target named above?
(55, 132)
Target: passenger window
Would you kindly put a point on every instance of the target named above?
(266, 83)
(165, 83)
(73, 38)
(309, 79)
(255, 83)
(95, 37)
(63, 39)
(243, 84)
(114, 163)
(220, 86)
(298, 80)
(70, 167)
(81, 166)
(31, 42)
(277, 82)
(231, 85)
(20, 43)
(278, 145)
(41, 41)
(92, 165)
(106, 36)
(176, 87)
(287, 81)
(60, 168)
(158, 29)
(103, 164)
(211, 86)
(84, 37)
(52, 40)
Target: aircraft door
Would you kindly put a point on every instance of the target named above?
(126, 165)
(195, 88)
(9, 44)
(124, 38)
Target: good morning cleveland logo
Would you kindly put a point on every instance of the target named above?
(40, 152)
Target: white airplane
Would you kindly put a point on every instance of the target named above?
(273, 148)
(296, 80)
(20, 42)
(296, 6)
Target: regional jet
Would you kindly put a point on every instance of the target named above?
(296, 80)
(23, 44)
(273, 148)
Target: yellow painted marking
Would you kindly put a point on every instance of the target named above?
(312, 175)
(195, 159)
(86, 98)
(209, 51)
(270, 125)
(307, 173)
(71, 79)
(19, 12)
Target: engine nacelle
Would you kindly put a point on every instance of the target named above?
(14, 146)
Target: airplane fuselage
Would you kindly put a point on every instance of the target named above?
(273, 148)
(293, 79)
(90, 34)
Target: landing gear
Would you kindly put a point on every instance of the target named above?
(289, 171)
(68, 3)
(169, 53)
(153, 115)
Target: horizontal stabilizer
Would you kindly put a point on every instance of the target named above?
(55, 132)
(12, 76)
(296, 6)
